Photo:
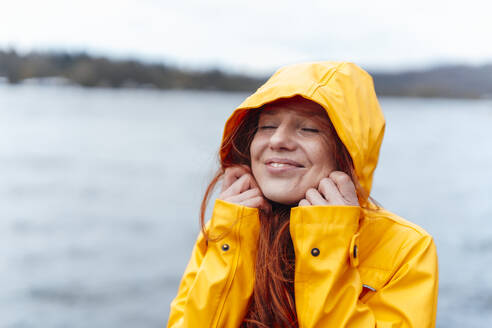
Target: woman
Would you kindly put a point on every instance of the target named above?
(294, 239)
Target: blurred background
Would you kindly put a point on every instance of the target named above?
(111, 114)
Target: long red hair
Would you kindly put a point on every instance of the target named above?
(273, 300)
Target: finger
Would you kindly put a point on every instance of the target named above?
(248, 171)
(251, 193)
(304, 202)
(314, 197)
(346, 186)
(231, 174)
(242, 184)
(257, 202)
(237, 187)
(245, 167)
(330, 192)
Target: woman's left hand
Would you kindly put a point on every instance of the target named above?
(336, 189)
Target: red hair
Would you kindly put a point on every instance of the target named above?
(273, 301)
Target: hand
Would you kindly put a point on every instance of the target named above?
(240, 187)
(337, 189)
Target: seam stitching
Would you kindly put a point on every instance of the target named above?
(232, 273)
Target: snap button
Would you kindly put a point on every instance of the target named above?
(354, 250)
(315, 252)
(225, 247)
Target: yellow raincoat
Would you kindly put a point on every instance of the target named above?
(374, 269)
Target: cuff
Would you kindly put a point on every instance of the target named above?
(232, 221)
(324, 235)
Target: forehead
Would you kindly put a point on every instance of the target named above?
(303, 108)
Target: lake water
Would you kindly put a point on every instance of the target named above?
(100, 190)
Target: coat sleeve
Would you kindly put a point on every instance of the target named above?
(328, 284)
(217, 284)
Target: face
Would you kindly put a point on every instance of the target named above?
(292, 150)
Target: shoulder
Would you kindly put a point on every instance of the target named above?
(385, 225)
(387, 242)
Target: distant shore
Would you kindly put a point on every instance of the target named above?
(451, 81)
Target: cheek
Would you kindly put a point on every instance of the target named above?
(322, 157)
(255, 154)
(255, 149)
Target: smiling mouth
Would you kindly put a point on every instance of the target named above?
(273, 164)
(282, 163)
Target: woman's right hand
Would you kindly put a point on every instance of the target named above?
(240, 187)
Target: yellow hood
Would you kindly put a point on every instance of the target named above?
(347, 94)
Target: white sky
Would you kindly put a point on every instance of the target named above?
(256, 36)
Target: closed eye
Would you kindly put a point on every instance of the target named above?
(267, 127)
(310, 130)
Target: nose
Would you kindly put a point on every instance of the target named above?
(282, 139)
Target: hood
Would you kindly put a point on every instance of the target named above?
(347, 94)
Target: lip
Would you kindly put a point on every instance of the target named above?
(289, 165)
(283, 161)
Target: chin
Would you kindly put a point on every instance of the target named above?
(283, 198)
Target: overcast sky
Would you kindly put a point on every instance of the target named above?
(256, 36)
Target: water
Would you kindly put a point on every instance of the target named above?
(100, 192)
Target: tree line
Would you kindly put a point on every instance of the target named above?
(92, 71)
(453, 81)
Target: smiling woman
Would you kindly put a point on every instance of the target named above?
(292, 149)
(295, 240)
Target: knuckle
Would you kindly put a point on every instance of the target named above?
(235, 170)
(251, 179)
(229, 173)
(229, 170)
(256, 201)
(256, 192)
(244, 168)
(240, 170)
(226, 176)
(323, 183)
(339, 176)
(334, 174)
(243, 179)
(310, 192)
